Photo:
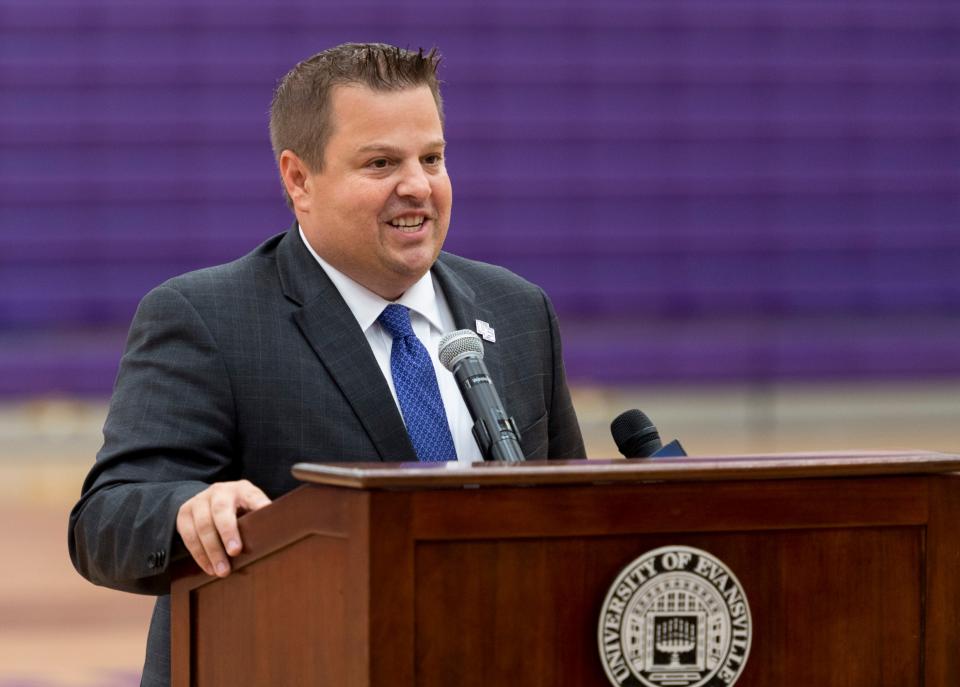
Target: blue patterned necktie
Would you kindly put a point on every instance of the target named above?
(417, 390)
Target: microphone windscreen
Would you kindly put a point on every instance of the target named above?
(635, 435)
(455, 346)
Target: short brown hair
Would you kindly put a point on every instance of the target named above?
(300, 111)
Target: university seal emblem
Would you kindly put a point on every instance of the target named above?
(675, 617)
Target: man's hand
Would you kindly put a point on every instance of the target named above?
(207, 523)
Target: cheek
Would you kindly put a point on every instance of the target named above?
(364, 205)
(363, 195)
(443, 192)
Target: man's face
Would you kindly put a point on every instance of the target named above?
(380, 209)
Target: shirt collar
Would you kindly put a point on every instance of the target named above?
(366, 306)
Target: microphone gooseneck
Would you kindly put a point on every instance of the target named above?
(496, 433)
(635, 435)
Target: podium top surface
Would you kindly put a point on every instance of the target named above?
(779, 466)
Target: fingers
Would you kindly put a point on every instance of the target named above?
(207, 523)
(226, 503)
(188, 532)
(203, 522)
(187, 528)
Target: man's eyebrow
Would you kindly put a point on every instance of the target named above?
(393, 150)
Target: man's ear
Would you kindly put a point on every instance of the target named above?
(296, 180)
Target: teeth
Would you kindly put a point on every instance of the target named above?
(407, 221)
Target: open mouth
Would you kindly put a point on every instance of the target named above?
(408, 225)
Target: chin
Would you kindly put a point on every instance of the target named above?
(417, 264)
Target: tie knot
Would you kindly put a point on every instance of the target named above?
(396, 320)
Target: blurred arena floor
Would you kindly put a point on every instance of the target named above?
(57, 630)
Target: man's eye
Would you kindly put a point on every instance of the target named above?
(379, 163)
(433, 159)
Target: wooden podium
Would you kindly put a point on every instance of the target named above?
(440, 575)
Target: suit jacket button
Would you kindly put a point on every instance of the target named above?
(152, 560)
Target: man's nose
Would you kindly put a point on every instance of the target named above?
(414, 182)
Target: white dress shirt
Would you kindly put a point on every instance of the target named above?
(431, 319)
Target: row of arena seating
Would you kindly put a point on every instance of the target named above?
(738, 191)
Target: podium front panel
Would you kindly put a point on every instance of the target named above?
(850, 581)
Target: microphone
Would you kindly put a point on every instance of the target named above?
(496, 433)
(635, 435)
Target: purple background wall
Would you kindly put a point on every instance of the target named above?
(708, 190)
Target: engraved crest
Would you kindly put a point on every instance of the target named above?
(675, 617)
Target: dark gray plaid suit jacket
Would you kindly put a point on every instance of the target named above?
(241, 370)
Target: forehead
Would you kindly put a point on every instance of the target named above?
(361, 116)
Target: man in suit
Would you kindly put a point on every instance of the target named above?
(296, 351)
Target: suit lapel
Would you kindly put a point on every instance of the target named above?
(333, 333)
(466, 310)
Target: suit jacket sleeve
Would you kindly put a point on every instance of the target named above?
(169, 433)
